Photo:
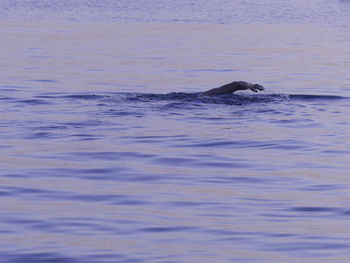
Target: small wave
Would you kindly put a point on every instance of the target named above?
(45, 80)
(85, 96)
(167, 229)
(73, 96)
(306, 97)
(173, 96)
(34, 102)
(38, 258)
(61, 258)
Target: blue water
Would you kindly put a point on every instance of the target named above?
(109, 155)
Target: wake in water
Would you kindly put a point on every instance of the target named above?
(225, 95)
(222, 95)
(228, 99)
(188, 98)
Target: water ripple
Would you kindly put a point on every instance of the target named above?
(167, 229)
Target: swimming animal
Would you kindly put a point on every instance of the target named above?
(232, 87)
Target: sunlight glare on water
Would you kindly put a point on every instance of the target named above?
(110, 155)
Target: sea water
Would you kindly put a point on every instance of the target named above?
(108, 154)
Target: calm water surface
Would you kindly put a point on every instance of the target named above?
(108, 155)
